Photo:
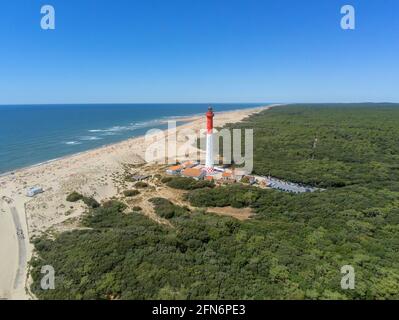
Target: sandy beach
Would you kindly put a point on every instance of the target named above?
(95, 173)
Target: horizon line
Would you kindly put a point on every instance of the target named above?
(168, 103)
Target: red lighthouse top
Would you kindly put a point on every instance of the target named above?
(209, 120)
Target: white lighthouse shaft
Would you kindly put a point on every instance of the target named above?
(209, 151)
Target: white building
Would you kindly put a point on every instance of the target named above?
(31, 192)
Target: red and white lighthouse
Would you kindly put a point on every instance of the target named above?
(209, 140)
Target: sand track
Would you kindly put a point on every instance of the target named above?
(18, 280)
(8, 250)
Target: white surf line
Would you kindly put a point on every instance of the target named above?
(21, 248)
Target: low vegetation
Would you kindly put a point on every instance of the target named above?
(74, 197)
(245, 180)
(166, 209)
(89, 201)
(184, 183)
(141, 184)
(236, 195)
(166, 179)
(131, 193)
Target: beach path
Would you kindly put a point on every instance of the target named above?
(8, 252)
(13, 250)
(19, 277)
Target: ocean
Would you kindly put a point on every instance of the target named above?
(32, 134)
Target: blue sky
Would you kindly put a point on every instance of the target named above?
(198, 51)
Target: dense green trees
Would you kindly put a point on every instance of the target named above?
(236, 195)
(295, 246)
(328, 145)
(166, 209)
(184, 183)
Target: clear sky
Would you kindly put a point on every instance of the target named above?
(119, 51)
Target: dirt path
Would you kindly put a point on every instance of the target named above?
(241, 214)
(15, 249)
(8, 252)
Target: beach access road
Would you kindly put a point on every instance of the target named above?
(13, 253)
(21, 266)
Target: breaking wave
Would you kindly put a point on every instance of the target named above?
(89, 138)
(130, 127)
(72, 143)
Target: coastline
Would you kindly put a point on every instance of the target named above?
(181, 120)
(95, 172)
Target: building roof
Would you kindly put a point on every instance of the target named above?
(191, 172)
(35, 189)
(227, 174)
(175, 168)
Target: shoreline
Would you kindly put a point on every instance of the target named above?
(17, 170)
(182, 119)
(95, 172)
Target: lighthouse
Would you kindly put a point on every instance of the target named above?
(209, 140)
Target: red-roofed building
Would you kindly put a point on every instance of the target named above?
(228, 176)
(174, 170)
(196, 174)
